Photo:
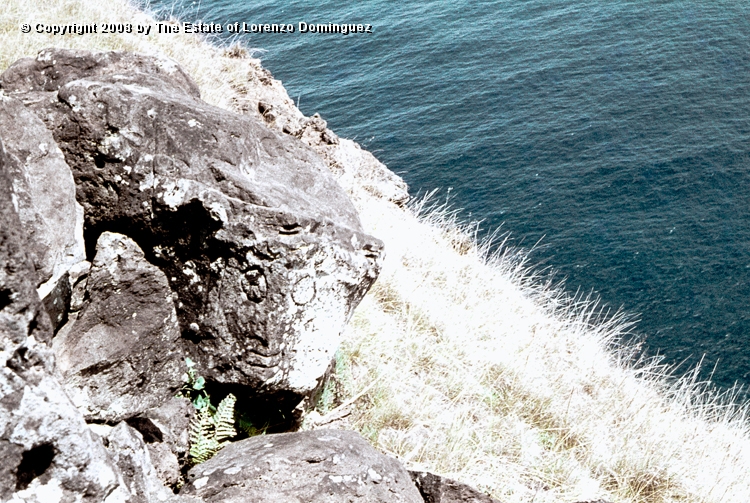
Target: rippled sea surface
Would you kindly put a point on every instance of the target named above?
(617, 133)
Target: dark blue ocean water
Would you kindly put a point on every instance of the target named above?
(616, 132)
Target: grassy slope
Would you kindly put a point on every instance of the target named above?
(467, 365)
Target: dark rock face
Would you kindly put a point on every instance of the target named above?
(44, 196)
(21, 316)
(121, 355)
(261, 246)
(312, 467)
(48, 452)
(437, 489)
(57, 302)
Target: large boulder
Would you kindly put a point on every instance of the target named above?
(320, 466)
(261, 246)
(48, 452)
(120, 355)
(44, 196)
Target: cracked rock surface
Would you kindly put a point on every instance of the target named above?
(43, 194)
(437, 489)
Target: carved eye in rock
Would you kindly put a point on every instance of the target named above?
(254, 285)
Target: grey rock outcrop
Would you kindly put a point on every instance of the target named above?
(353, 167)
(437, 489)
(120, 356)
(44, 196)
(261, 246)
(53, 68)
(48, 452)
(312, 467)
(210, 236)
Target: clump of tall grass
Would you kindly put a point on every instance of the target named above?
(469, 362)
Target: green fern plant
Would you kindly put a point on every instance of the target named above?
(211, 428)
(211, 431)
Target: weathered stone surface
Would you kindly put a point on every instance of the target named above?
(355, 169)
(44, 195)
(306, 467)
(360, 169)
(262, 247)
(437, 489)
(120, 356)
(53, 68)
(48, 453)
(165, 430)
(129, 452)
(165, 463)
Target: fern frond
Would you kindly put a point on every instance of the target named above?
(211, 428)
(224, 419)
(203, 443)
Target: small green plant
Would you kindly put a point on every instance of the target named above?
(246, 426)
(211, 428)
(548, 439)
(211, 431)
(194, 387)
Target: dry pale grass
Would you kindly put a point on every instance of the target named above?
(487, 374)
(468, 364)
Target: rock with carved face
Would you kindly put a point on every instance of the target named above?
(262, 248)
